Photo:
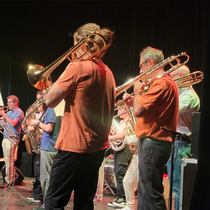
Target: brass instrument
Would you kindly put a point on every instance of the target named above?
(39, 76)
(129, 129)
(5, 108)
(32, 138)
(189, 79)
(115, 129)
(86, 49)
(144, 76)
(147, 80)
(32, 141)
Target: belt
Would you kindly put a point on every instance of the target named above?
(183, 138)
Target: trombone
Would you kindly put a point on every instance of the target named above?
(144, 77)
(189, 79)
(40, 77)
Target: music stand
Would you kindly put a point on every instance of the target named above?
(10, 137)
(173, 134)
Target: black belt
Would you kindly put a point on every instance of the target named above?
(183, 138)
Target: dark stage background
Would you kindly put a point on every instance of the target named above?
(38, 33)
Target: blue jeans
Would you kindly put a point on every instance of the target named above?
(181, 150)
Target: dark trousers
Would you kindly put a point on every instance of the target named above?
(153, 155)
(37, 189)
(73, 171)
(121, 161)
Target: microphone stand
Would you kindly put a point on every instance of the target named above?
(173, 134)
(11, 139)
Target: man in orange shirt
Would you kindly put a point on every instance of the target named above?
(153, 109)
(88, 88)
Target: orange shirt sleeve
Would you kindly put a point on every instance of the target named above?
(155, 91)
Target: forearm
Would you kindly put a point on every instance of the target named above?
(46, 127)
(138, 109)
(118, 136)
(54, 96)
(10, 121)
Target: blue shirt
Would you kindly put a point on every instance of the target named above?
(18, 115)
(49, 139)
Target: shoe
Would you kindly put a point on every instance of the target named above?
(40, 208)
(111, 204)
(120, 202)
(33, 200)
(6, 185)
(97, 198)
(3, 185)
(127, 208)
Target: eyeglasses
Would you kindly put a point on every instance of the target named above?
(173, 75)
(140, 66)
(9, 102)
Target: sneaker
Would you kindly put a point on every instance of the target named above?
(127, 208)
(97, 198)
(3, 185)
(111, 204)
(33, 200)
(120, 202)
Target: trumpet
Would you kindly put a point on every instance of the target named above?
(5, 108)
(144, 77)
(189, 79)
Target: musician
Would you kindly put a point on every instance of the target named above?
(88, 88)
(13, 119)
(36, 196)
(50, 126)
(153, 109)
(189, 102)
(130, 181)
(122, 158)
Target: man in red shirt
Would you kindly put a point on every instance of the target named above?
(88, 88)
(153, 109)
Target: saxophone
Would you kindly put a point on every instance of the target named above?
(32, 138)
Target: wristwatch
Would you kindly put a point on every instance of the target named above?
(38, 123)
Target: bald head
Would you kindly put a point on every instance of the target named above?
(181, 71)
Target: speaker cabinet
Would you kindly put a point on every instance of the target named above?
(18, 175)
(188, 173)
(27, 164)
(195, 134)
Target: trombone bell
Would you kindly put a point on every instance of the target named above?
(189, 79)
(39, 78)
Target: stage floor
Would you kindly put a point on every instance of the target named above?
(16, 197)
